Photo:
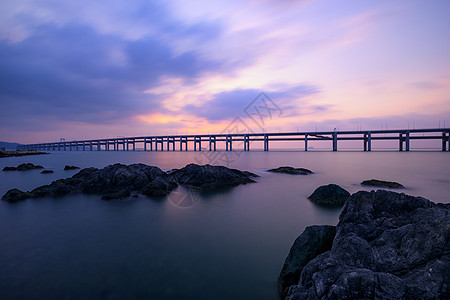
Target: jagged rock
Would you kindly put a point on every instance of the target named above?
(15, 195)
(313, 241)
(387, 246)
(382, 183)
(291, 170)
(47, 172)
(209, 177)
(329, 195)
(109, 181)
(23, 167)
(66, 168)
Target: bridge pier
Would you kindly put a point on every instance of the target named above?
(306, 142)
(84, 146)
(228, 143)
(407, 141)
(266, 142)
(212, 141)
(445, 140)
(197, 140)
(246, 142)
(335, 141)
(170, 140)
(99, 145)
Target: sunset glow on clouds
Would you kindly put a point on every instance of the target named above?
(84, 69)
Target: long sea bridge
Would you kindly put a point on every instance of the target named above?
(241, 141)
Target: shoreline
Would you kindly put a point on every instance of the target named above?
(17, 153)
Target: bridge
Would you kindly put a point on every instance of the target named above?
(241, 141)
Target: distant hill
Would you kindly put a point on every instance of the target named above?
(8, 146)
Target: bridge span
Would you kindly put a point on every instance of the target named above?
(242, 141)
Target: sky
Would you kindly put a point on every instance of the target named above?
(98, 69)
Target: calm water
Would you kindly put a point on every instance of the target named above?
(227, 245)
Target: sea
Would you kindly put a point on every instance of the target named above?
(228, 244)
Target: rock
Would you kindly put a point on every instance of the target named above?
(291, 170)
(387, 246)
(66, 168)
(15, 195)
(209, 177)
(28, 166)
(381, 183)
(9, 169)
(114, 181)
(47, 172)
(329, 195)
(313, 241)
(23, 167)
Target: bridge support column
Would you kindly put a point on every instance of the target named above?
(266, 142)
(306, 142)
(84, 146)
(246, 142)
(90, 145)
(335, 141)
(407, 141)
(99, 146)
(365, 142)
(444, 142)
(134, 144)
(369, 141)
(145, 144)
(212, 141)
(229, 143)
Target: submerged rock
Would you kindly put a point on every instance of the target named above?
(23, 167)
(329, 195)
(66, 168)
(387, 246)
(209, 177)
(47, 172)
(291, 170)
(382, 183)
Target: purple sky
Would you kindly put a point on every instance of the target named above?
(91, 69)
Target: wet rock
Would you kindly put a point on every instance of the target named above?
(66, 168)
(47, 172)
(313, 241)
(109, 181)
(209, 177)
(382, 183)
(291, 170)
(329, 195)
(387, 246)
(23, 167)
(15, 195)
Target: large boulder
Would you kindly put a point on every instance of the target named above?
(387, 246)
(291, 170)
(313, 241)
(329, 195)
(15, 195)
(209, 177)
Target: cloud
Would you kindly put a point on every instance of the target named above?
(74, 73)
(231, 104)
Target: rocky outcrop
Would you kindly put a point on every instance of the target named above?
(329, 195)
(23, 167)
(387, 246)
(20, 153)
(66, 168)
(209, 177)
(118, 181)
(382, 183)
(313, 241)
(114, 181)
(291, 170)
